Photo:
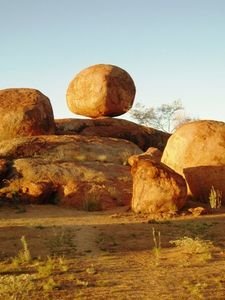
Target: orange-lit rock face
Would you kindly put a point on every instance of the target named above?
(151, 154)
(89, 173)
(70, 148)
(142, 136)
(197, 152)
(156, 188)
(101, 90)
(86, 186)
(24, 112)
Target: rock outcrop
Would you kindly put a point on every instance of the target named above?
(197, 152)
(86, 185)
(156, 188)
(85, 163)
(101, 90)
(142, 136)
(85, 172)
(25, 112)
(151, 153)
(69, 148)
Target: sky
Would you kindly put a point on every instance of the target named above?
(173, 49)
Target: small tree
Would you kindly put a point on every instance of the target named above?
(163, 117)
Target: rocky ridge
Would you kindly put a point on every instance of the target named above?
(100, 163)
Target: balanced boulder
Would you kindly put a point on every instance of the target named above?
(25, 112)
(197, 152)
(101, 90)
(156, 188)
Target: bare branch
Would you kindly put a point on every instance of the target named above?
(163, 117)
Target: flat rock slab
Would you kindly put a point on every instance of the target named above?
(70, 148)
(144, 137)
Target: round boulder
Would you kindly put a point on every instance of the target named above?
(101, 90)
(25, 112)
(197, 152)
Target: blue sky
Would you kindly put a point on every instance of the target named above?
(173, 49)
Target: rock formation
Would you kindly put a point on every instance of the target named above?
(196, 151)
(156, 188)
(69, 148)
(151, 153)
(87, 163)
(101, 90)
(142, 136)
(85, 172)
(25, 112)
(83, 185)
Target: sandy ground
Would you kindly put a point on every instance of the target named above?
(116, 254)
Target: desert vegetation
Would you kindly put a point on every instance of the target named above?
(166, 117)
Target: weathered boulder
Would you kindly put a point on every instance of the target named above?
(101, 90)
(151, 153)
(69, 148)
(84, 185)
(156, 188)
(197, 152)
(25, 112)
(85, 172)
(142, 136)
